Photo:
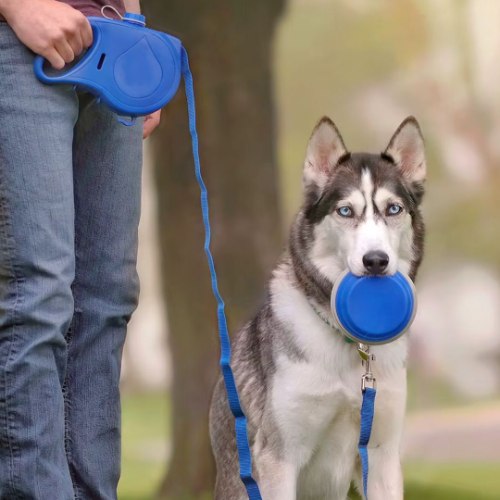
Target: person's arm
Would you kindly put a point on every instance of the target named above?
(49, 28)
(132, 6)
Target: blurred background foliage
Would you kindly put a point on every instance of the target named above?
(367, 64)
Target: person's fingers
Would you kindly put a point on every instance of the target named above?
(148, 128)
(86, 33)
(150, 123)
(76, 44)
(64, 48)
(54, 58)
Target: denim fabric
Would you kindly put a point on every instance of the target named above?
(70, 179)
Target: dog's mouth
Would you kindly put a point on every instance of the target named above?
(373, 263)
(366, 273)
(363, 273)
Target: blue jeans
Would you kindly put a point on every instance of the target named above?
(70, 178)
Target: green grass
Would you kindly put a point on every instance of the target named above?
(145, 444)
(467, 481)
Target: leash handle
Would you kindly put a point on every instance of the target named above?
(244, 453)
(134, 70)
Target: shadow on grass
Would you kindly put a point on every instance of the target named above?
(207, 496)
(415, 491)
(135, 497)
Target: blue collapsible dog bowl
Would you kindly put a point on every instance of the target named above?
(373, 309)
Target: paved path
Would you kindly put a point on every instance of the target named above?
(471, 434)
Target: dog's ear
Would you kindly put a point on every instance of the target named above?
(406, 149)
(324, 150)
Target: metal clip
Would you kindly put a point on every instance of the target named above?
(367, 379)
(364, 352)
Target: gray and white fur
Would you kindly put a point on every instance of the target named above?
(298, 380)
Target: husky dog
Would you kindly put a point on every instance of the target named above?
(298, 378)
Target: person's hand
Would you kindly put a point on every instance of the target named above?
(49, 28)
(150, 123)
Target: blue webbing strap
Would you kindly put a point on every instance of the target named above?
(367, 409)
(225, 343)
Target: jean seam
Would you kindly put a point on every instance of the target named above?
(66, 391)
(67, 408)
(17, 279)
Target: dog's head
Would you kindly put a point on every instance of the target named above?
(362, 210)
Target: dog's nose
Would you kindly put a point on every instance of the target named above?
(376, 261)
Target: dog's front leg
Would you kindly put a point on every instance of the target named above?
(277, 479)
(385, 478)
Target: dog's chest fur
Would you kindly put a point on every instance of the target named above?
(316, 399)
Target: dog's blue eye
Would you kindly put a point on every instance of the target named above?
(394, 209)
(344, 211)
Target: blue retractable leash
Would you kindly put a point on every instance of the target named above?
(136, 71)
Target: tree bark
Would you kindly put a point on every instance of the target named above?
(230, 48)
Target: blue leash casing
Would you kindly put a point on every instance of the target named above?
(133, 69)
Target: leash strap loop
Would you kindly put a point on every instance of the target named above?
(367, 410)
(242, 444)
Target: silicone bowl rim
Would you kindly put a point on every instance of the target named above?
(333, 295)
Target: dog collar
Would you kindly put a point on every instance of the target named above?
(329, 323)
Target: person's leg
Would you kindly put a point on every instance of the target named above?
(36, 272)
(107, 181)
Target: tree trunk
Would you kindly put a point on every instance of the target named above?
(230, 48)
